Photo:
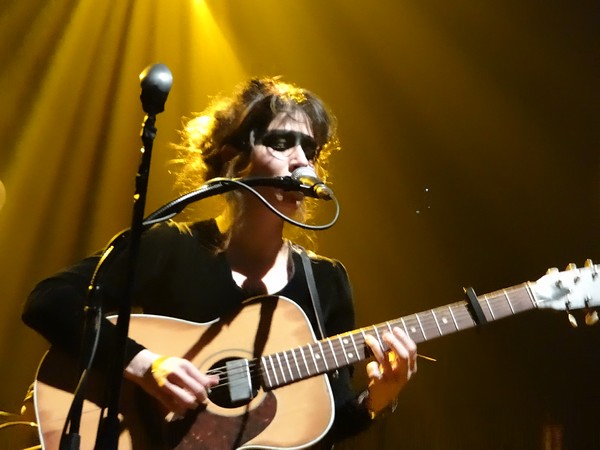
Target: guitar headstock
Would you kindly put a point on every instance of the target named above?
(575, 288)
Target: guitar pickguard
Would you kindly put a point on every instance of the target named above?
(203, 430)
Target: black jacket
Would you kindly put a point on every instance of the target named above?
(181, 274)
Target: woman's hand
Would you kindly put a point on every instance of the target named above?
(391, 369)
(175, 382)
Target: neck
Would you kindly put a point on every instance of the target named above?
(256, 240)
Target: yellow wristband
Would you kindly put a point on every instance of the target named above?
(159, 374)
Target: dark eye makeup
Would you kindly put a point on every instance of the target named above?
(282, 140)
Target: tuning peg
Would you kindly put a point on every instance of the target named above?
(591, 317)
(571, 266)
(589, 264)
(552, 270)
(571, 317)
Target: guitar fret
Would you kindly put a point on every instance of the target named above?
(437, 324)
(333, 352)
(310, 347)
(530, 295)
(285, 357)
(266, 371)
(453, 317)
(362, 331)
(323, 357)
(344, 349)
(274, 370)
(512, 310)
(485, 298)
(296, 364)
(431, 324)
(358, 355)
(503, 307)
(383, 346)
(304, 359)
(418, 334)
(364, 342)
(516, 298)
(444, 321)
(389, 327)
(280, 367)
(404, 325)
(421, 326)
(502, 304)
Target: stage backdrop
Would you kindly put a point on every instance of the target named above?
(470, 157)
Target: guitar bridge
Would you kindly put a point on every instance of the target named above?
(240, 383)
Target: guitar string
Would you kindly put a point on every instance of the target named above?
(325, 351)
(228, 375)
(418, 320)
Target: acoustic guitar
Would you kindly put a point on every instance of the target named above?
(271, 367)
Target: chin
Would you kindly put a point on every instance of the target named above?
(289, 202)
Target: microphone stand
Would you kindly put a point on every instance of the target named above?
(156, 82)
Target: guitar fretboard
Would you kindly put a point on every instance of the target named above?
(348, 348)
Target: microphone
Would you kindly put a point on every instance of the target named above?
(309, 180)
(156, 82)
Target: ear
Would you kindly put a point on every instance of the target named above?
(234, 161)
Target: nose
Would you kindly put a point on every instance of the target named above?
(297, 158)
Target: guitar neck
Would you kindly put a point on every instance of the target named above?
(348, 348)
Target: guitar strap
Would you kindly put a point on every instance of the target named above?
(312, 289)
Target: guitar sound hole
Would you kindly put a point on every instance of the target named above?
(236, 377)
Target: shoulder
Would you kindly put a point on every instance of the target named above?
(205, 232)
(323, 264)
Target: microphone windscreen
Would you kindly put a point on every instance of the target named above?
(156, 82)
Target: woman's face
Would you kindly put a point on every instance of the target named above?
(286, 145)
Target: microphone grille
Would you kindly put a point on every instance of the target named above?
(304, 173)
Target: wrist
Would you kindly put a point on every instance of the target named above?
(140, 365)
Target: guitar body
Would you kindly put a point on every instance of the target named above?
(292, 416)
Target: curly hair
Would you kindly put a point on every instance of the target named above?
(208, 137)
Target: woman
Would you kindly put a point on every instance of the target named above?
(204, 270)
